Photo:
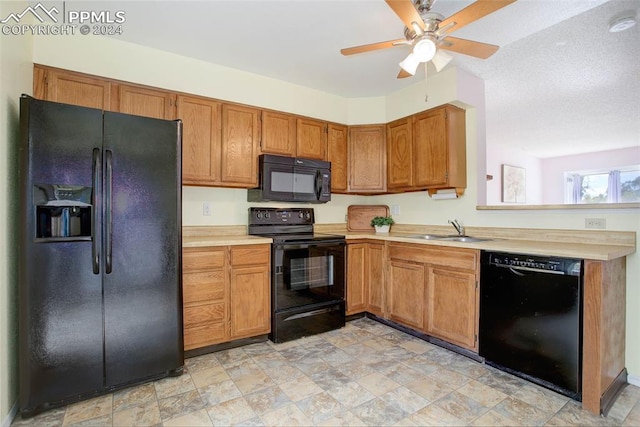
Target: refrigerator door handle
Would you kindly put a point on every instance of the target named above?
(108, 191)
(97, 193)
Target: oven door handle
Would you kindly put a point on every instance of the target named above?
(308, 245)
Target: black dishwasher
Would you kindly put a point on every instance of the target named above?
(531, 318)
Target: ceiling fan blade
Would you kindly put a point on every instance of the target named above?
(372, 46)
(468, 47)
(407, 12)
(473, 12)
(403, 74)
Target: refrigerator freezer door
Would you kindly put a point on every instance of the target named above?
(60, 297)
(142, 244)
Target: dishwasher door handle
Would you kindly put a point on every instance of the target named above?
(516, 270)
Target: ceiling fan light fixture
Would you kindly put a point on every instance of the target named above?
(424, 49)
(441, 59)
(410, 64)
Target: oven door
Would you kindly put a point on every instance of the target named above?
(307, 273)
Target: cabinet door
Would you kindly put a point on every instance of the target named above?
(201, 132)
(406, 293)
(430, 148)
(278, 134)
(312, 139)
(337, 155)
(76, 89)
(375, 261)
(451, 306)
(399, 154)
(250, 301)
(140, 101)
(204, 297)
(240, 136)
(367, 159)
(357, 278)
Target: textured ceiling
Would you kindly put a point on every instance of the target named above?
(559, 84)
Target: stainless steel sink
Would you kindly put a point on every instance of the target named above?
(465, 239)
(427, 236)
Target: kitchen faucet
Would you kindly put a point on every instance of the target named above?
(459, 228)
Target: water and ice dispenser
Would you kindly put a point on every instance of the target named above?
(62, 211)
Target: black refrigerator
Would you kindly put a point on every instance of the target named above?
(99, 252)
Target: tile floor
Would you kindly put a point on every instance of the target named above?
(363, 374)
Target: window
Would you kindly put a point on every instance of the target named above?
(621, 185)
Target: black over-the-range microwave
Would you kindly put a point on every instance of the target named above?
(292, 179)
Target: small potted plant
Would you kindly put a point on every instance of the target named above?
(382, 223)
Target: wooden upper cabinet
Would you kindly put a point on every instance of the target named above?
(367, 159)
(312, 139)
(201, 134)
(400, 154)
(141, 101)
(239, 155)
(440, 148)
(278, 133)
(71, 88)
(337, 154)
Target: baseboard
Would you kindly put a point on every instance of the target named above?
(11, 415)
(634, 380)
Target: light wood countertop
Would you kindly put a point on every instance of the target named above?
(582, 244)
(599, 252)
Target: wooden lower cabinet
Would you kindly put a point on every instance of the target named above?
(250, 293)
(451, 306)
(226, 294)
(204, 297)
(434, 290)
(357, 276)
(405, 293)
(365, 278)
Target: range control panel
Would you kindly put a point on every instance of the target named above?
(281, 216)
(528, 262)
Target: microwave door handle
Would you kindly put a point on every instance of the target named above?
(318, 184)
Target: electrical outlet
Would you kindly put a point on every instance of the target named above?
(597, 223)
(395, 209)
(206, 209)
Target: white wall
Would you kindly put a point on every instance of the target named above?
(16, 77)
(555, 167)
(498, 155)
(119, 60)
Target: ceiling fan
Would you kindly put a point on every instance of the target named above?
(428, 33)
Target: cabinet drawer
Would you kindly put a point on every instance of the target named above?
(204, 286)
(465, 259)
(202, 335)
(250, 255)
(202, 260)
(204, 313)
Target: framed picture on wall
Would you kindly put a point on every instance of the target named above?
(513, 184)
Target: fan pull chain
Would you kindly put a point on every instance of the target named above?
(426, 83)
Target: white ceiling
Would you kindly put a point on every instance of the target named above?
(560, 82)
